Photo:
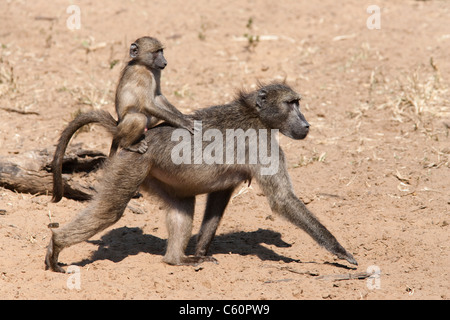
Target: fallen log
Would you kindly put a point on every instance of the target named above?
(30, 172)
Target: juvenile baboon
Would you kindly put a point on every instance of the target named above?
(275, 106)
(139, 105)
(139, 101)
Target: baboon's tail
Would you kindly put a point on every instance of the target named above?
(98, 116)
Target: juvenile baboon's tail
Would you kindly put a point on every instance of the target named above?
(98, 116)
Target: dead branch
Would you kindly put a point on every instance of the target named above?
(19, 111)
(31, 172)
(345, 276)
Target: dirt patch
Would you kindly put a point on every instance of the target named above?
(374, 169)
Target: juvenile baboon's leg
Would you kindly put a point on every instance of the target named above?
(123, 175)
(130, 130)
(215, 207)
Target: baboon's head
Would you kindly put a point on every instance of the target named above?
(148, 51)
(278, 107)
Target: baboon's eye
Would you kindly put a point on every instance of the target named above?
(295, 103)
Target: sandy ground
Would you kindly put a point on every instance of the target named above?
(374, 169)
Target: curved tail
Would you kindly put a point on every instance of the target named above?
(98, 116)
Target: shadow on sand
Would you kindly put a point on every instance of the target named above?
(120, 243)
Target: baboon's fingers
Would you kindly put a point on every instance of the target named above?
(335, 248)
(191, 127)
(56, 268)
(196, 260)
(143, 147)
(352, 260)
(347, 256)
(209, 259)
(140, 147)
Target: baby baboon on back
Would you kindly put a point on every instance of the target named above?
(139, 105)
(139, 101)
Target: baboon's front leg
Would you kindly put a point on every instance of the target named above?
(282, 200)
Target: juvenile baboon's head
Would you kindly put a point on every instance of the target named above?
(148, 51)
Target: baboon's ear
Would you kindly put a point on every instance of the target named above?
(261, 98)
(134, 50)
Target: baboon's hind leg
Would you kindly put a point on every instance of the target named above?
(179, 217)
(215, 207)
(120, 183)
(179, 226)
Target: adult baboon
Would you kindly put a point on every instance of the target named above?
(266, 111)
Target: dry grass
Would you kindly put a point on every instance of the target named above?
(89, 95)
(420, 97)
(314, 157)
(8, 81)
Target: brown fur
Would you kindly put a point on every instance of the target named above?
(270, 107)
(139, 101)
(139, 105)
